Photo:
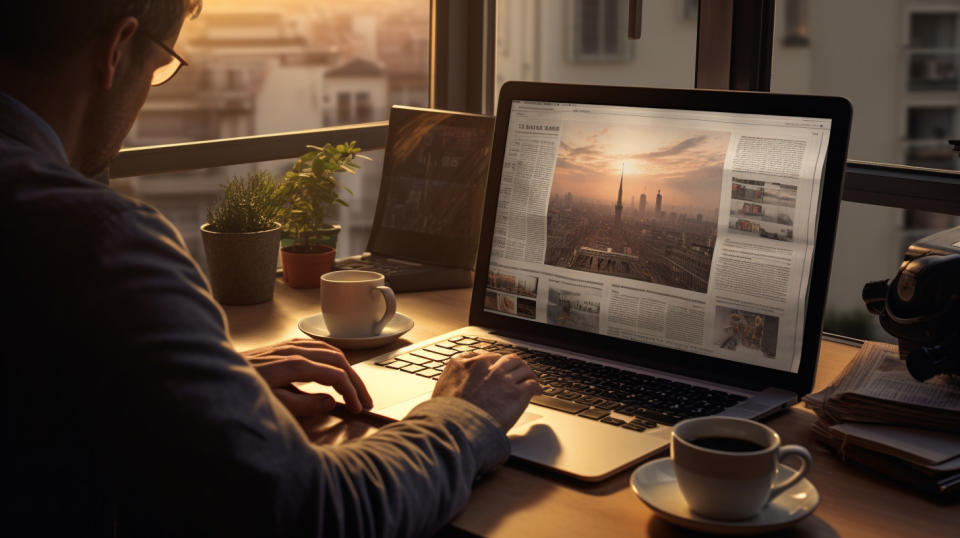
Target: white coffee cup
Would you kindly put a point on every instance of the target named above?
(728, 481)
(356, 303)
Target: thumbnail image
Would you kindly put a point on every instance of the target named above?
(769, 230)
(742, 331)
(490, 300)
(507, 303)
(526, 308)
(766, 213)
(500, 302)
(525, 286)
(574, 309)
(764, 192)
(636, 202)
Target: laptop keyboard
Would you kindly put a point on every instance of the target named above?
(593, 391)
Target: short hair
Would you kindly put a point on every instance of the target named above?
(35, 32)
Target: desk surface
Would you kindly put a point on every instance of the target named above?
(513, 501)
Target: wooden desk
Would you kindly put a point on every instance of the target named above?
(515, 501)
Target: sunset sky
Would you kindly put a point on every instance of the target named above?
(686, 164)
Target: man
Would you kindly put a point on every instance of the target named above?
(125, 409)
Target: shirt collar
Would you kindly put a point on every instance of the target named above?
(18, 121)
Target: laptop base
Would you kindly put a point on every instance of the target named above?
(406, 275)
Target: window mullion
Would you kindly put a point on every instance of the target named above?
(735, 44)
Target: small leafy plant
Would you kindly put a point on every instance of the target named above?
(252, 204)
(310, 188)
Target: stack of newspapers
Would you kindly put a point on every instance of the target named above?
(877, 416)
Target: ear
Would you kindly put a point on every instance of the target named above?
(117, 49)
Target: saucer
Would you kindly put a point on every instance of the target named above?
(315, 327)
(656, 485)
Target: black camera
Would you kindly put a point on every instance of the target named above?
(921, 305)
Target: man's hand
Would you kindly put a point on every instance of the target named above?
(500, 385)
(309, 360)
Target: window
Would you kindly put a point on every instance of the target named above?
(927, 129)
(796, 20)
(344, 110)
(279, 66)
(933, 51)
(364, 107)
(599, 31)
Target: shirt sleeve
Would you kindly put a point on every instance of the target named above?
(192, 437)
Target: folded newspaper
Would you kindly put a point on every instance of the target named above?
(876, 415)
(876, 387)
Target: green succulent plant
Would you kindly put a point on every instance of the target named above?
(251, 204)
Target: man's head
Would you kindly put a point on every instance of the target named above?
(44, 31)
(106, 49)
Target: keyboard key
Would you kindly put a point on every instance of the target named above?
(634, 426)
(589, 400)
(555, 403)
(459, 348)
(429, 372)
(430, 355)
(413, 368)
(662, 418)
(385, 362)
(608, 405)
(433, 364)
(397, 365)
(446, 345)
(595, 414)
(613, 421)
(413, 359)
(441, 350)
(552, 391)
(569, 395)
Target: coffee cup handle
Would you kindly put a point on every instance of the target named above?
(806, 460)
(391, 301)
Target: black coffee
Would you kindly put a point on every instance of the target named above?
(727, 444)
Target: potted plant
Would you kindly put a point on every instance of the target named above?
(241, 238)
(309, 189)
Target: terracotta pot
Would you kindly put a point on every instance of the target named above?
(303, 268)
(242, 266)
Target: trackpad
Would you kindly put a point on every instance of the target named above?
(527, 417)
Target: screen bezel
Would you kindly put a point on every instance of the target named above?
(837, 109)
(433, 249)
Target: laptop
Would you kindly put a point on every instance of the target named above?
(427, 222)
(654, 254)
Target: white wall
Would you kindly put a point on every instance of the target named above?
(534, 37)
(291, 99)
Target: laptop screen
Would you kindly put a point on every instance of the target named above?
(692, 230)
(431, 191)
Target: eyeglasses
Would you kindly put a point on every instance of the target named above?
(165, 72)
